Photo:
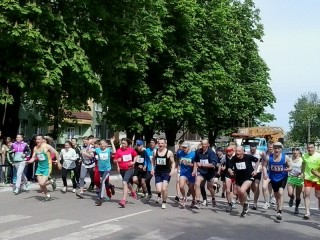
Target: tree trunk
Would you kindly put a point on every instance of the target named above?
(171, 137)
(148, 133)
(10, 115)
(212, 136)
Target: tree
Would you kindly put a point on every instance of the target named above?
(306, 114)
(42, 61)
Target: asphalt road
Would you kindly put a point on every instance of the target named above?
(66, 217)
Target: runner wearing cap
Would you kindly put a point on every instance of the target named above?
(295, 179)
(279, 166)
(311, 160)
(186, 160)
(140, 167)
(255, 187)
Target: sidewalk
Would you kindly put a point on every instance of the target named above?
(114, 176)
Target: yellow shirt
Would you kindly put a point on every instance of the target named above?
(311, 162)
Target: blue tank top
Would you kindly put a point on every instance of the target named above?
(276, 169)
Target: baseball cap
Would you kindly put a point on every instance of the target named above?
(219, 149)
(185, 144)
(139, 142)
(278, 144)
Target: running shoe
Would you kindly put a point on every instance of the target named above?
(183, 202)
(279, 216)
(122, 203)
(234, 206)
(204, 203)
(47, 198)
(148, 198)
(296, 210)
(222, 195)
(74, 190)
(229, 207)
(158, 200)
(98, 202)
(291, 201)
(306, 216)
(53, 184)
(90, 189)
(214, 203)
(16, 191)
(106, 198)
(27, 186)
(80, 194)
(266, 206)
(64, 190)
(254, 207)
(246, 207)
(113, 192)
(197, 206)
(177, 199)
(193, 203)
(272, 201)
(134, 195)
(164, 206)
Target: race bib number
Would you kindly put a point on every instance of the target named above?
(204, 161)
(140, 160)
(127, 158)
(277, 168)
(161, 161)
(17, 156)
(104, 156)
(253, 164)
(241, 165)
(188, 160)
(41, 157)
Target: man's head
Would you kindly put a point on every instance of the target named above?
(277, 147)
(311, 148)
(219, 151)
(162, 143)
(229, 151)
(253, 147)
(205, 144)
(239, 152)
(270, 147)
(140, 144)
(185, 147)
(153, 143)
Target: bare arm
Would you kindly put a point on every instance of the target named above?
(288, 163)
(264, 167)
(315, 172)
(33, 156)
(173, 163)
(112, 144)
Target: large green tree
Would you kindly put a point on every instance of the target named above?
(42, 61)
(304, 118)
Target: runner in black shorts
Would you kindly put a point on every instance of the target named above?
(255, 187)
(140, 171)
(204, 169)
(241, 166)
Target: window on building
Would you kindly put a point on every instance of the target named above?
(97, 107)
(70, 131)
(97, 131)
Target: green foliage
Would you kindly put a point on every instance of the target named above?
(306, 112)
(41, 54)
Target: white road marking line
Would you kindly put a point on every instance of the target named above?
(159, 235)
(17, 232)
(218, 238)
(12, 218)
(117, 218)
(92, 233)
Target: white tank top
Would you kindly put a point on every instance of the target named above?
(296, 168)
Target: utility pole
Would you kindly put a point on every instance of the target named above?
(309, 128)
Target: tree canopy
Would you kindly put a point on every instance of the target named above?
(306, 113)
(155, 65)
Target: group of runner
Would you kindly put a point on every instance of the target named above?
(240, 172)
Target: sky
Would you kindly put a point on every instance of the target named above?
(291, 49)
